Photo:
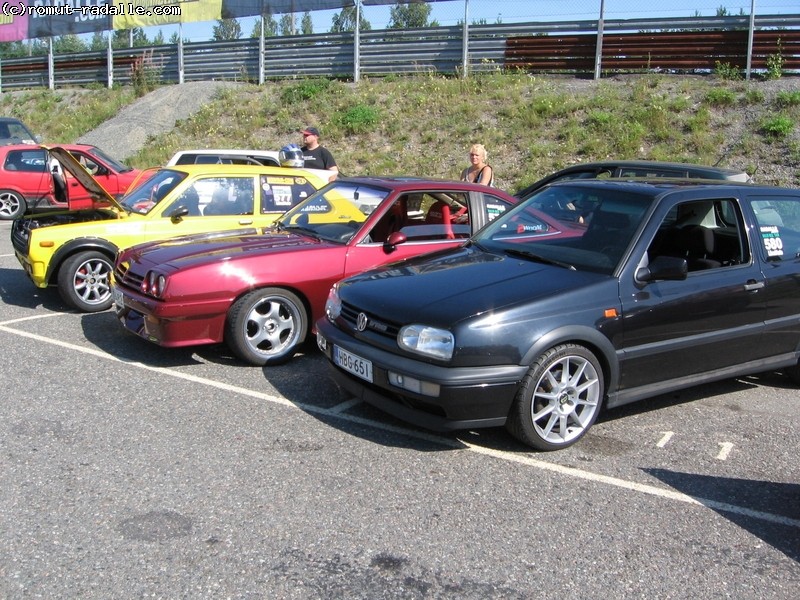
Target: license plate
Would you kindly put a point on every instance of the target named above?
(117, 297)
(352, 363)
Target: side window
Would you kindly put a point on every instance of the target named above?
(227, 196)
(494, 206)
(28, 161)
(778, 220)
(709, 234)
(436, 216)
(279, 193)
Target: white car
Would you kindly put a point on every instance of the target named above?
(231, 156)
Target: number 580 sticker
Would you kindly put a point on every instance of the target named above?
(772, 240)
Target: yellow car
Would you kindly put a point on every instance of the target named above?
(75, 250)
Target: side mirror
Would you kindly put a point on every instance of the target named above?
(395, 238)
(663, 268)
(178, 213)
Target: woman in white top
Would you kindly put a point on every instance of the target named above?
(478, 171)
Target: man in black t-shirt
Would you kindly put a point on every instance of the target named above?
(316, 156)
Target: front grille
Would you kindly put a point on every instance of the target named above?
(21, 235)
(126, 278)
(375, 324)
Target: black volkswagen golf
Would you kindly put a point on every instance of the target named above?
(665, 285)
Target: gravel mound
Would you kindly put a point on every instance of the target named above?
(152, 114)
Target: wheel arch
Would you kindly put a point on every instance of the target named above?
(589, 338)
(280, 286)
(73, 247)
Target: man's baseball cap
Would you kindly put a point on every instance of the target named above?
(310, 131)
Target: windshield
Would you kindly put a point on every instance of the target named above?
(153, 190)
(334, 213)
(603, 223)
(114, 164)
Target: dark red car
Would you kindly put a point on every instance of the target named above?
(28, 183)
(261, 291)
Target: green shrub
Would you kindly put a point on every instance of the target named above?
(777, 127)
(720, 97)
(305, 90)
(727, 71)
(787, 98)
(358, 119)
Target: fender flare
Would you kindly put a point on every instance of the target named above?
(588, 337)
(75, 246)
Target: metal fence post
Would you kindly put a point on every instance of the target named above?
(750, 39)
(465, 42)
(51, 76)
(598, 55)
(261, 60)
(357, 44)
(180, 52)
(110, 64)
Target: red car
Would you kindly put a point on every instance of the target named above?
(260, 291)
(28, 182)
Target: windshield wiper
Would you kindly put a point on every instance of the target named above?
(538, 258)
(307, 230)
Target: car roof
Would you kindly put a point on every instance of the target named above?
(660, 185)
(411, 183)
(194, 169)
(692, 170)
(223, 152)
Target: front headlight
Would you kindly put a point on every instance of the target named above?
(428, 341)
(333, 305)
(153, 284)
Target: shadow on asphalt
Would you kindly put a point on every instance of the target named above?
(718, 493)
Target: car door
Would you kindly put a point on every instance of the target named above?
(777, 245)
(709, 321)
(214, 203)
(429, 219)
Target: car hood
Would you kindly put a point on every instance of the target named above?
(457, 284)
(194, 250)
(100, 197)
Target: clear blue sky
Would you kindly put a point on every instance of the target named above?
(515, 11)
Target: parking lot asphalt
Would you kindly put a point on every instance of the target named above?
(129, 470)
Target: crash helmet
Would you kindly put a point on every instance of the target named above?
(291, 156)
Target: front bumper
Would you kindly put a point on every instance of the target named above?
(469, 397)
(170, 325)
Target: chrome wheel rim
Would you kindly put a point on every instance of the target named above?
(90, 281)
(271, 326)
(565, 399)
(9, 204)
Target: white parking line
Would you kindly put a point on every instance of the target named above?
(724, 450)
(498, 454)
(664, 440)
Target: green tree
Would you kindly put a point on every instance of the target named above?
(159, 39)
(345, 21)
(127, 38)
(68, 44)
(306, 24)
(226, 29)
(270, 27)
(99, 41)
(287, 26)
(410, 15)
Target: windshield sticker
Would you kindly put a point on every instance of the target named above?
(772, 240)
(282, 195)
(521, 228)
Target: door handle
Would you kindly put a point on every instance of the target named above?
(246, 222)
(752, 285)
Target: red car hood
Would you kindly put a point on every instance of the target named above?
(99, 197)
(194, 250)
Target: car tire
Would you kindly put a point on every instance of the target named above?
(266, 326)
(83, 281)
(559, 398)
(12, 205)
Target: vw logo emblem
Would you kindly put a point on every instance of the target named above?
(361, 323)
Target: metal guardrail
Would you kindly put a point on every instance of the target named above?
(445, 50)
